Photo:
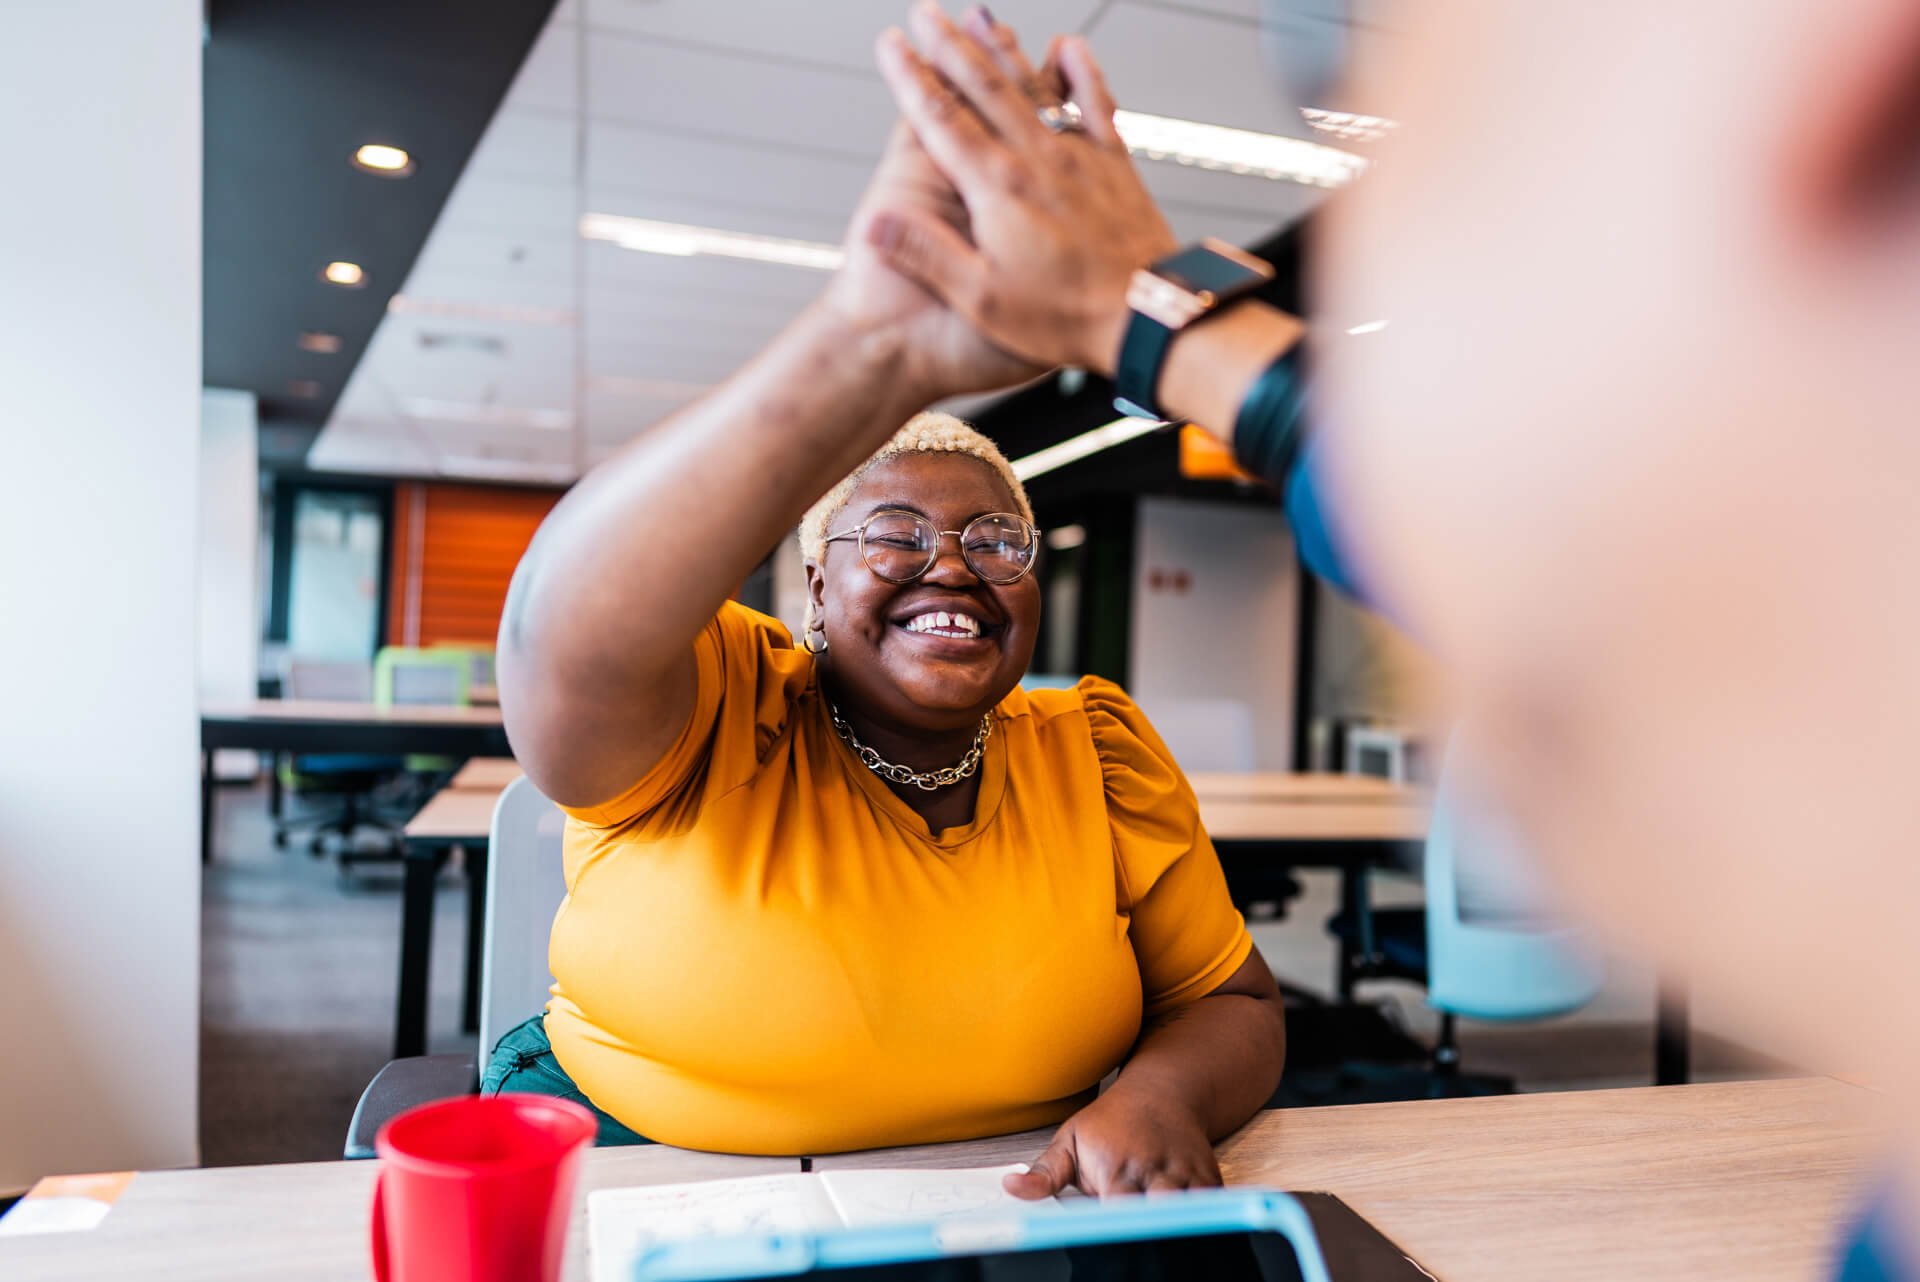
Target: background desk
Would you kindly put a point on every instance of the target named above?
(455, 818)
(1746, 1182)
(321, 726)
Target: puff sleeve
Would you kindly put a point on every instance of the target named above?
(1186, 933)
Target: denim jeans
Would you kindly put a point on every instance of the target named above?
(523, 1061)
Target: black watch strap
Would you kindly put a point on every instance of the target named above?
(1136, 380)
(1268, 431)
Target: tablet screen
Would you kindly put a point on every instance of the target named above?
(1225, 1257)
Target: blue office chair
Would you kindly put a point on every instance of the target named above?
(1484, 944)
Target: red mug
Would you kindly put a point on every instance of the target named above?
(477, 1189)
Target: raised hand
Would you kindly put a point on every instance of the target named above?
(942, 353)
(1056, 223)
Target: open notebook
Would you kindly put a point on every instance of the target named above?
(621, 1221)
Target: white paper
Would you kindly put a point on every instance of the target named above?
(886, 1197)
(53, 1215)
(621, 1222)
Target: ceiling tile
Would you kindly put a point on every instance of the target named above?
(744, 96)
(526, 145)
(770, 178)
(840, 34)
(1196, 66)
(549, 80)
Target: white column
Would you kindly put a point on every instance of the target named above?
(99, 433)
(229, 558)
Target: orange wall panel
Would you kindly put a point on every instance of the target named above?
(454, 551)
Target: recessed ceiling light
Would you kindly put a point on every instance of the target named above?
(314, 340)
(388, 162)
(683, 240)
(304, 388)
(1237, 151)
(347, 274)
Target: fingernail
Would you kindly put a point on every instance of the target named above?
(986, 15)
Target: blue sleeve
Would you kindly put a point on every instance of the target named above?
(1313, 531)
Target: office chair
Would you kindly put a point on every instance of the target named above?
(1482, 945)
(525, 884)
(352, 777)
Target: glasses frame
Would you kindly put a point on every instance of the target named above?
(933, 554)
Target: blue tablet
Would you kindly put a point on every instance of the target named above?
(1233, 1235)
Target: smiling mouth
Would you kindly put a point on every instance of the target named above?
(939, 623)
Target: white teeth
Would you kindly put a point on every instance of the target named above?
(944, 624)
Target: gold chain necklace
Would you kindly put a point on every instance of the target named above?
(930, 780)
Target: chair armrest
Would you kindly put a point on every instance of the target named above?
(401, 1085)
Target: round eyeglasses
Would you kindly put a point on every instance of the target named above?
(901, 546)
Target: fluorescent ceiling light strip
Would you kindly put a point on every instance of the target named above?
(486, 415)
(403, 305)
(1369, 327)
(1349, 125)
(683, 240)
(1237, 151)
(1075, 448)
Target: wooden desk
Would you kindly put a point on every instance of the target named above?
(1286, 785)
(1372, 820)
(487, 772)
(322, 726)
(301, 1222)
(1743, 1181)
(454, 818)
(483, 694)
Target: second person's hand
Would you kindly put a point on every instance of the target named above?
(1057, 222)
(939, 353)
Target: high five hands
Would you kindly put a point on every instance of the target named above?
(1056, 222)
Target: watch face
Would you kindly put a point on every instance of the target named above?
(1198, 269)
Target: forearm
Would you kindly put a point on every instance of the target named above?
(637, 558)
(1219, 1059)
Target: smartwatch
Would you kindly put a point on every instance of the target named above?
(1165, 298)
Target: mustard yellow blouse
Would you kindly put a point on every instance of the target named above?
(763, 950)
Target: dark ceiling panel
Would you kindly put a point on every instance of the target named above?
(292, 88)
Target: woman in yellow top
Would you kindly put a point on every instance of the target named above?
(864, 891)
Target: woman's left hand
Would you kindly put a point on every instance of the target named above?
(1124, 1142)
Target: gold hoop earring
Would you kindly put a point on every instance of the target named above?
(806, 634)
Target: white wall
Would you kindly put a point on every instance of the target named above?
(229, 556)
(1214, 608)
(99, 431)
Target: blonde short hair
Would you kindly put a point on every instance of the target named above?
(931, 432)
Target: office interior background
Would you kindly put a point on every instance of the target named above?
(317, 310)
